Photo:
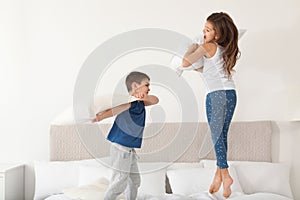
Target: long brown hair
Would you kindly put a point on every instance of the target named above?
(227, 37)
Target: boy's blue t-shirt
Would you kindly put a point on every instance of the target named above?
(128, 126)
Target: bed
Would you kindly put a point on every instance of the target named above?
(176, 162)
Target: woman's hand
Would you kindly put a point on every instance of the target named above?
(193, 47)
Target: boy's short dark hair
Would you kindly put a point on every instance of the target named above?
(137, 77)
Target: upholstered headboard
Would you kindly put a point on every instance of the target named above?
(177, 142)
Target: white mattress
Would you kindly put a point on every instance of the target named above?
(198, 196)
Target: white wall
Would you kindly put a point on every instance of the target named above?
(285, 146)
(44, 44)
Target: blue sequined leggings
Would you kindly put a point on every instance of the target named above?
(220, 107)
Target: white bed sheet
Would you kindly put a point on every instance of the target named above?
(198, 196)
(261, 196)
(145, 197)
(58, 197)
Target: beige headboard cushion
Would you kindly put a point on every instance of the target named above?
(177, 142)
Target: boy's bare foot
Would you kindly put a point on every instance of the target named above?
(215, 186)
(227, 182)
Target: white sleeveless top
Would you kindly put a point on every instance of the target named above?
(214, 74)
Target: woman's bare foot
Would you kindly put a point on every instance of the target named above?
(227, 182)
(215, 186)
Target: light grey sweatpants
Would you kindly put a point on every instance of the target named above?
(125, 174)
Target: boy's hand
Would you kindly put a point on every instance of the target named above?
(98, 118)
(140, 95)
(95, 120)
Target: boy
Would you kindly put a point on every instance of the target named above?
(127, 134)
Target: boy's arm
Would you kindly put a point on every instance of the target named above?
(150, 100)
(111, 112)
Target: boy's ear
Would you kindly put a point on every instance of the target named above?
(134, 85)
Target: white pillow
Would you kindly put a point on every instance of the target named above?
(89, 174)
(212, 163)
(176, 60)
(52, 177)
(152, 177)
(194, 180)
(260, 176)
(264, 177)
(98, 105)
(64, 118)
(92, 170)
(94, 191)
(107, 101)
(184, 165)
